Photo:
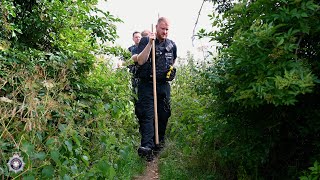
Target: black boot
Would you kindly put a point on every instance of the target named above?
(158, 148)
(145, 152)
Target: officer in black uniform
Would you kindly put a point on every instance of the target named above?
(166, 53)
(136, 37)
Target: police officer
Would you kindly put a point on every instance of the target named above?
(136, 37)
(166, 53)
(145, 33)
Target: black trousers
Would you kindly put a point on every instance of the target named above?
(145, 111)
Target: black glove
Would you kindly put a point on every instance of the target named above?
(171, 73)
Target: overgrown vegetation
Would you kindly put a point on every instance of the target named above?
(262, 95)
(252, 113)
(69, 115)
(190, 116)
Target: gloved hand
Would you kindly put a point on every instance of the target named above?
(171, 73)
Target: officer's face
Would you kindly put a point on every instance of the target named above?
(162, 30)
(136, 38)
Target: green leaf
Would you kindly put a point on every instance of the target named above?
(316, 177)
(62, 127)
(76, 139)
(55, 156)
(304, 178)
(304, 14)
(107, 106)
(74, 169)
(112, 172)
(48, 171)
(66, 177)
(50, 142)
(28, 148)
(123, 154)
(68, 143)
(40, 155)
(280, 42)
(85, 159)
(103, 166)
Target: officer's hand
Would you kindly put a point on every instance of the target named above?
(152, 36)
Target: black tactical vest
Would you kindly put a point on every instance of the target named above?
(164, 59)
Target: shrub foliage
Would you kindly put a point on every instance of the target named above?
(68, 115)
(266, 88)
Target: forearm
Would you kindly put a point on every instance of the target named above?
(134, 58)
(143, 56)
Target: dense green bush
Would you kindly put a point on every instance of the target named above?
(266, 88)
(69, 115)
(313, 173)
(188, 109)
(186, 126)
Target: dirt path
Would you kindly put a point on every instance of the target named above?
(152, 171)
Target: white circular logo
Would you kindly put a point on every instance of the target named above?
(15, 163)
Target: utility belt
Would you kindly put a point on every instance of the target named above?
(164, 75)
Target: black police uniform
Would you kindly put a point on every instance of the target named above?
(166, 53)
(132, 49)
(133, 69)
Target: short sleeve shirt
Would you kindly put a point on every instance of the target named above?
(144, 42)
(133, 49)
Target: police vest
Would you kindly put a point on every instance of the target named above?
(164, 60)
(132, 49)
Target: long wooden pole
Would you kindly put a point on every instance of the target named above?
(156, 131)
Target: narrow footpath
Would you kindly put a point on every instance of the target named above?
(151, 172)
